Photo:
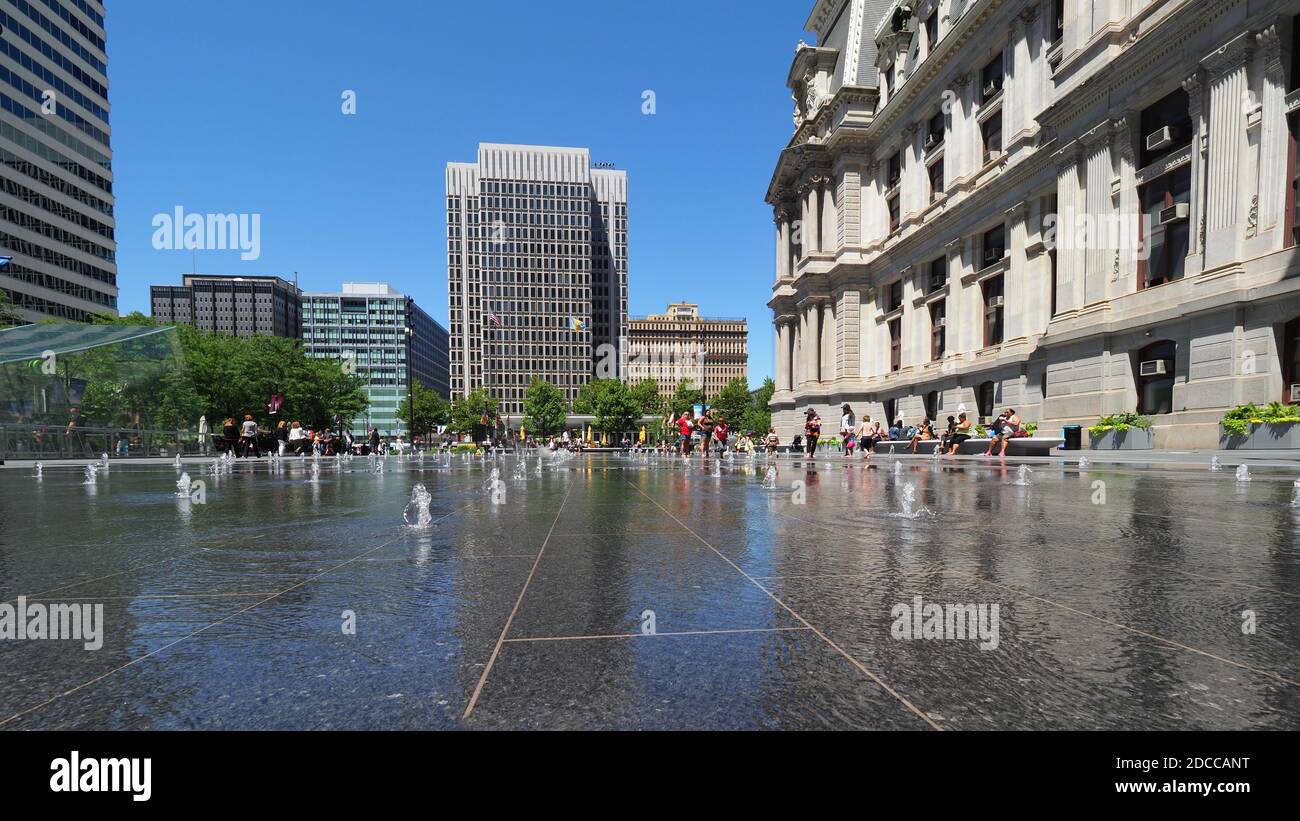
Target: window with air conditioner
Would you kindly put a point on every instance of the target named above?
(936, 179)
(991, 79)
(934, 131)
(994, 311)
(991, 135)
(937, 275)
(938, 330)
(994, 245)
(1155, 378)
(896, 345)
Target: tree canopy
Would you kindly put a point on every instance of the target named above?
(544, 408)
(431, 410)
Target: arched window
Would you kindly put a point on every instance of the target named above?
(1155, 377)
(984, 399)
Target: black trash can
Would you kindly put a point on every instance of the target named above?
(1073, 435)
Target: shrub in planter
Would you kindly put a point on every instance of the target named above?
(1237, 421)
(1120, 423)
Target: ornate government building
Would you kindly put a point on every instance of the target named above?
(1069, 207)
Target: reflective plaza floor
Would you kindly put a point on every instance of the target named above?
(617, 592)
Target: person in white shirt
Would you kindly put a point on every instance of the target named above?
(848, 428)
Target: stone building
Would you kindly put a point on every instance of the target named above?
(1069, 208)
(680, 344)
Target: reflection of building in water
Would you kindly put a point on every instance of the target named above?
(680, 344)
(1040, 204)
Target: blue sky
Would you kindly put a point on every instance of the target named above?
(235, 107)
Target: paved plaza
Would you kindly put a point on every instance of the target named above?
(609, 591)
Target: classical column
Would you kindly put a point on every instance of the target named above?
(1273, 139)
(812, 345)
(1069, 275)
(1098, 259)
(783, 342)
(1195, 89)
(1017, 291)
(828, 335)
(804, 224)
(1224, 211)
(783, 252)
(798, 328)
(813, 231)
(1123, 277)
(830, 240)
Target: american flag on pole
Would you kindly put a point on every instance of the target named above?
(493, 319)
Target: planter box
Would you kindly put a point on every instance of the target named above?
(1263, 437)
(1131, 439)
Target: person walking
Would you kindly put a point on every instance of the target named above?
(281, 437)
(705, 426)
(248, 437)
(848, 429)
(772, 441)
(684, 427)
(230, 436)
(204, 434)
(812, 430)
(374, 441)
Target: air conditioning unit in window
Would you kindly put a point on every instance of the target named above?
(932, 139)
(1174, 213)
(1294, 393)
(997, 302)
(1160, 140)
(941, 323)
(992, 255)
(1156, 367)
(991, 88)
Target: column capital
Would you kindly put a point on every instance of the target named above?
(1269, 43)
(1231, 55)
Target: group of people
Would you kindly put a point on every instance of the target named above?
(866, 434)
(710, 427)
(246, 439)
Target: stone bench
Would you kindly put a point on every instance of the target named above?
(1024, 446)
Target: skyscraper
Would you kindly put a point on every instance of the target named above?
(364, 327)
(536, 271)
(56, 169)
(680, 344)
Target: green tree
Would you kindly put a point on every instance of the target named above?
(758, 417)
(431, 410)
(733, 400)
(544, 408)
(616, 409)
(646, 395)
(8, 313)
(686, 397)
(468, 412)
(589, 395)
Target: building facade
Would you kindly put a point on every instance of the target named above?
(56, 163)
(238, 305)
(536, 271)
(1070, 208)
(680, 344)
(364, 327)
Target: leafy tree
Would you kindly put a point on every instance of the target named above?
(616, 409)
(733, 400)
(8, 313)
(431, 410)
(589, 395)
(544, 407)
(686, 396)
(757, 416)
(646, 395)
(467, 412)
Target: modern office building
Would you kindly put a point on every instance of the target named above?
(680, 344)
(365, 328)
(56, 163)
(1070, 208)
(536, 270)
(237, 305)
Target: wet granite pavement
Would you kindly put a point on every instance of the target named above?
(615, 592)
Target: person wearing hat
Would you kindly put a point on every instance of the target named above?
(812, 429)
(961, 432)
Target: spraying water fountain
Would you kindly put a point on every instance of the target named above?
(1215, 464)
(39, 467)
(521, 470)
(538, 471)
(1024, 477)
(92, 474)
(183, 486)
(493, 480)
(769, 478)
(103, 461)
(1295, 493)
(717, 468)
(1084, 463)
(176, 463)
(898, 468)
(907, 504)
(891, 451)
(417, 510)
(315, 471)
(1243, 473)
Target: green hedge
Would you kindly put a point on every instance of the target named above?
(1237, 421)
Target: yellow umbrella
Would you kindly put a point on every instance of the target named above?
(523, 434)
(589, 433)
(604, 439)
(642, 440)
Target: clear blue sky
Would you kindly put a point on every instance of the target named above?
(234, 106)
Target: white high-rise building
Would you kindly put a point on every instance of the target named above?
(536, 271)
(1070, 208)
